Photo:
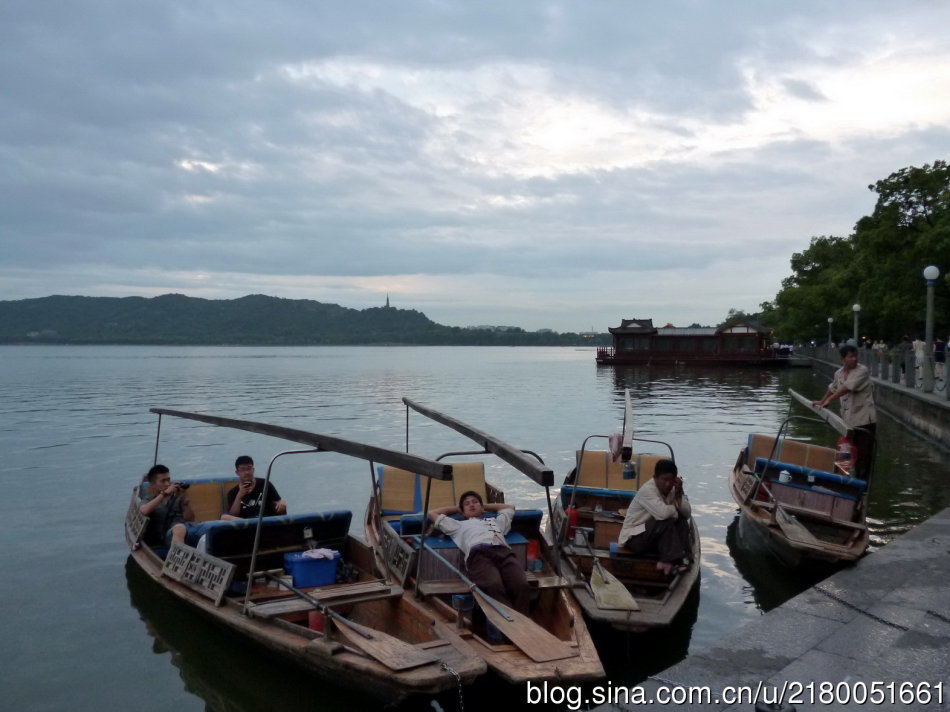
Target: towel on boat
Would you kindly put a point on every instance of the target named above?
(319, 553)
(615, 443)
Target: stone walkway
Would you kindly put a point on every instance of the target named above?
(885, 620)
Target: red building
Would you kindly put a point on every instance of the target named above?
(638, 341)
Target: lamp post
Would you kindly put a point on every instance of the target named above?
(830, 322)
(930, 274)
(857, 310)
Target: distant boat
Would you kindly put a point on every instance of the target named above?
(803, 505)
(637, 341)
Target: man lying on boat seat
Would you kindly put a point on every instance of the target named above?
(245, 500)
(657, 520)
(491, 563)
(165, 504)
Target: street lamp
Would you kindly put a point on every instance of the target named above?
(857, 310)
(930, 274)
(830, 322)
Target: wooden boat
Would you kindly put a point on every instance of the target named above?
(804, 505)
(348, 622)
(598, 491)
(638, 341)
(552, 642)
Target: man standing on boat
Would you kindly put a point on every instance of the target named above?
(491, 563)
(657, 520)
(245, 500)
(166, 507)
(852, 384)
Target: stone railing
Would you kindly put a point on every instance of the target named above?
(898, 365)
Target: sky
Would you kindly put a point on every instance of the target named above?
(540, 164)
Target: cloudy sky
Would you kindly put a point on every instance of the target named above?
(533, 163)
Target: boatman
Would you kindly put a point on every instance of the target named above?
(657, 520)
(852, 384)
(491, 563)
(245, 500)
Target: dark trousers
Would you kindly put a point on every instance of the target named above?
(667, 538)
(495, 570)
(864, 440)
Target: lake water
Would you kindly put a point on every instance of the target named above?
(82, 631)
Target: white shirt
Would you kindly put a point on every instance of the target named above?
(469, 533)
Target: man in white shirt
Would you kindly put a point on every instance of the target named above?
(657, 520)
(491, 563)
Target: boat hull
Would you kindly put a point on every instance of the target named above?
(554, 609)
(800, 538)
(375, 605)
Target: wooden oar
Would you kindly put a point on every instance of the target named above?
(391, 652)
(792, 528)
(609, 592)
(537, 643)
(828, 416)
(534, 469)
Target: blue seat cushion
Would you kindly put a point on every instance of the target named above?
(762, 464)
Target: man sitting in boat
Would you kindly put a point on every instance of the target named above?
(166, 507)
(657, 520)
(245, 500)
(491, 563)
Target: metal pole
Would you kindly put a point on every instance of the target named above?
(928, 373)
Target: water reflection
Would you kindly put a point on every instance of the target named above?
(226, 671)
(770, 582)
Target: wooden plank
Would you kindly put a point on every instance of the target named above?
(533, 640)
(515, 457)
(328, 443)
(391, 652)
(349, 593)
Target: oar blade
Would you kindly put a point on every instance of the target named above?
(390, 651)
(610, 593)
(533, 640)
(792, 528)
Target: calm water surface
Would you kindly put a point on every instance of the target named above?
(83, 631)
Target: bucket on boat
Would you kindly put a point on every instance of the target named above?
(845, 453)
(316, 620)
(785, 476)
(572, 519)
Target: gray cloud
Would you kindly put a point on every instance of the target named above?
(450, 152)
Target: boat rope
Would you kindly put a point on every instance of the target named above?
(835, 597)
(458, 680)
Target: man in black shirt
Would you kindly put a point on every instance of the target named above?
(245, 500)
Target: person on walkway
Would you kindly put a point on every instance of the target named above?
(491, 563)
(657, 520)
(852, 384)
(166, 506)
(940, 357)
(245, 500)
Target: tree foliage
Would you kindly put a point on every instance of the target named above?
(879, 266)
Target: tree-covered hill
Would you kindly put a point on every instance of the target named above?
(252, 320)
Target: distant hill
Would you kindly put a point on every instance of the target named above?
(252, 320)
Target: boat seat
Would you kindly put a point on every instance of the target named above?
(568, 490)
(337, 594)
(762, 464)
(789, 451)
(410, 524)
(591, 468)
(235, 538)
(616, 481)
(403, 492)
